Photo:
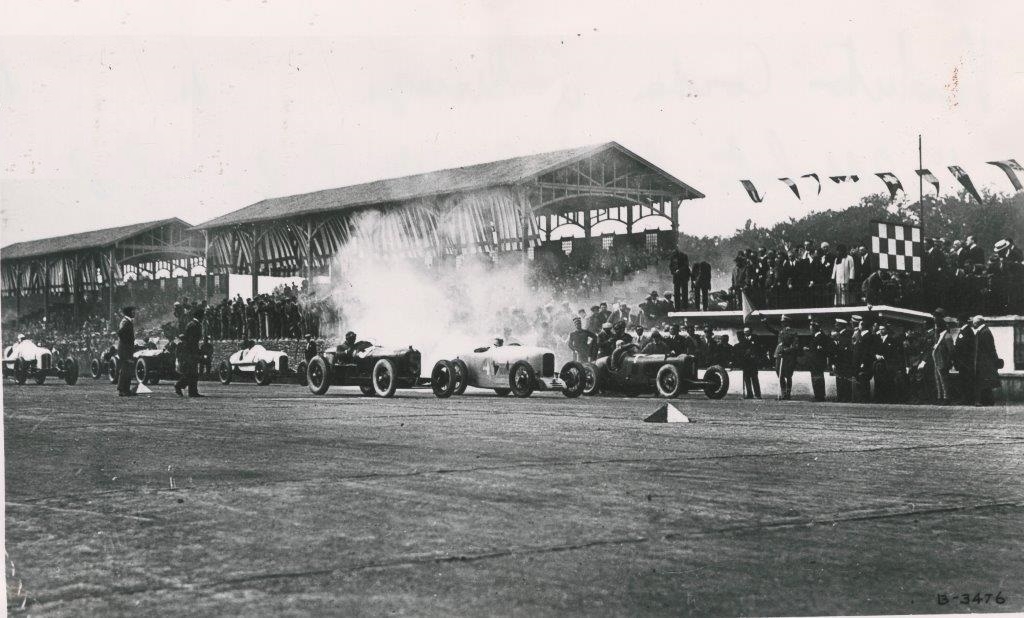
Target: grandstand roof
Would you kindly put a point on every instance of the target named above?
(482, 175)
(95, 239)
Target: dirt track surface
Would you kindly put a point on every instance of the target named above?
(269, 501)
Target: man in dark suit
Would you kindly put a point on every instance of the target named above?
(189, 356)
(865, 346)
(975, 254)
(679, 266)
(701, 275)
(986, 362)
(125, 350)
(748, 356)
(817, 359)
(963, 360)
(842, 360)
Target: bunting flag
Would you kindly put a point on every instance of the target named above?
(891, 182)
(792, 185)
(752, 191)
(965, 180)
(748, 307)
(930, 178)
(839, 179)
(816, 179)
(1010, 167)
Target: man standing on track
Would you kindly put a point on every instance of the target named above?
(189, 356)
(125, 350)
(817, 359)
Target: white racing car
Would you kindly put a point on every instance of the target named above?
(262, 364)
(512, 368)
(25, 360)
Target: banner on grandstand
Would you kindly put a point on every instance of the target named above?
(927, 176)
(816, 179)
(897, 246)
(1010, 167)
(752, 191)
(891, 182)
(792, 185)
(965, 180)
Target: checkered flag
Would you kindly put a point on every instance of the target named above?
(896, 246)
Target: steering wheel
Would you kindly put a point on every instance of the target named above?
(618, 356)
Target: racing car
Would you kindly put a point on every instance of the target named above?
(25, 359)
(263, 364)
(375, 370)
(103, 365)
(515, 369)
(152, 365)
(626, 371)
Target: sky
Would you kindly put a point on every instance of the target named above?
(119, 112)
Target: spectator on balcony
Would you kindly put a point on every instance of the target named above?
(679, 267)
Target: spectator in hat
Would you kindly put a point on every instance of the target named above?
(786, 351)
(842, 360)
(986, 362)
(125, 350)
(941, 356)
(817, 359)
(605, 340)
(311, 348)
(749, 355)
(594, 320)
(964, 360)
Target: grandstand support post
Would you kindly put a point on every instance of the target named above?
(629, 219)
(586, 224)
(74, 292)
(111, 286)
(46, 290)
(17, 295)
(309, 254)
(675, 217)
(254, 265)
(206, 264)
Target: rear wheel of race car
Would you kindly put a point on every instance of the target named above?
(70, 371)
(20, 371)
(141, 371)
(318, 375)
(461, 376)
(94, 369)
(443, 378)
(574, 374)
(224, 373)
(367, 389)
(502, 392)
(300, 373)
(262, 373)
(717, 382)
(521, 379)
(112, 371)
(385, 381)
(591, 383)
(668, 381)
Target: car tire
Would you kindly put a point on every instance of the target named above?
(262, 373)
(94, 369)
(522, 379)
(384, 378)
(367, 390)
(443, 378)
(462, 376)
(318, 375)
(112, 370)
(717, 379)
(300, 373)
(574, 374)
(591, 381)
(20, 371)
(141, 371)
(669, 381)
(502, 392)
(71, 371)
(224, 373)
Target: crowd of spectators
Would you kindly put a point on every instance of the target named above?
(954, 273)
(585, 272)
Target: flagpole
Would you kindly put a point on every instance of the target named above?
(920, 181)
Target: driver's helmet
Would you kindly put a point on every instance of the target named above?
(350, 337)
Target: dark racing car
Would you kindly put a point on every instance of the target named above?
(628, 372)
(375, 370)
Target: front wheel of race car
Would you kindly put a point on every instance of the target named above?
(141, 371)
(318, 375)
(300, 373)
(669, 381)
(94, 369)
(20, 371)
(574, 374)
(591, 383)
(112, 371)
(70, 371)
(443, 379)
(461, 376)
(224, 373)
(262, 373)
(716, 380)
(521, 379)
(384, 379)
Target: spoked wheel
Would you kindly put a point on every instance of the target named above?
(112, 370)
(461, 376)
(141, 371)
(521, 379)
(224, 373)
(71, 371)
(591, 385)
(94, 369)
(318, 375)
(443, 378)
(385, 382)
(669, 381)
(717, 382)
(575, 377)
(262, 373)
